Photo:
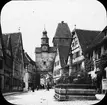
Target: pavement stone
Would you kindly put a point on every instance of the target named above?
(44, 97)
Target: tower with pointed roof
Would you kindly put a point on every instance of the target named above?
(62, 35)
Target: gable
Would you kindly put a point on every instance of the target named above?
(75, 44)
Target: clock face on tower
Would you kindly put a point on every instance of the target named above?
(44, 48)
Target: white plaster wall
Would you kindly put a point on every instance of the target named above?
(26, 77)
(76, 49)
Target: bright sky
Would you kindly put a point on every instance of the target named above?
(31, 16)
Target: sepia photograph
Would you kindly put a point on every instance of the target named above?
(53, 52)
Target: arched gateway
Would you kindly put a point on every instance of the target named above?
(45, 59)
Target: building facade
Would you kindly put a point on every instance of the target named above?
(1, 64)
(13, 65)
(18, 61)
(7, 63)
(81, 39)
(30, 72)
(97, 52)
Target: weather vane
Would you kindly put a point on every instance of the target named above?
(75, 26)
(44, 28)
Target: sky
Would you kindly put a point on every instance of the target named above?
(33, 16)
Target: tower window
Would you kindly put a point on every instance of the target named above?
(44, 62)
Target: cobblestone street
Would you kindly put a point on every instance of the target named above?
(43, 97)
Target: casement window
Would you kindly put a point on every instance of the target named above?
(76, 42)
(73, 44)
(78, 54)
(56, 63)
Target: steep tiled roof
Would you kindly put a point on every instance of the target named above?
(27, 60)
(15, 41)
(99, 37)
(63, 54)
(86, 37)
(7, 42)
(62, 31)
(5, 38)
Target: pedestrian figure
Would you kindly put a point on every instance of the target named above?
(99, 79)
(33, 88)
(37, 87)
(48, 86)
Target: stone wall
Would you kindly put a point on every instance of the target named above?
(44, 61)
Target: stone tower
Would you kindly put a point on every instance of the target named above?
(45, 56)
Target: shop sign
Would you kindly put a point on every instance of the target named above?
(104, 84)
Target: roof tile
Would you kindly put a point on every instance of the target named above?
(86, 37)
(63, 53)
(62, 31)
